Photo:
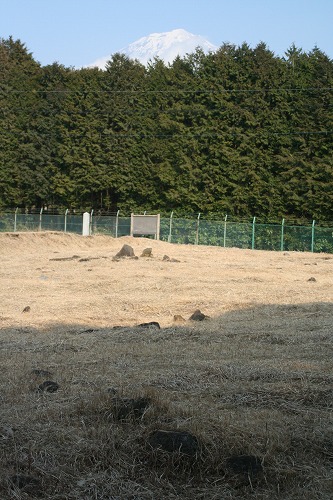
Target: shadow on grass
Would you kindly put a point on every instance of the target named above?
(253, 382)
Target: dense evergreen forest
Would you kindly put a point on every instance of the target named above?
(239, 131)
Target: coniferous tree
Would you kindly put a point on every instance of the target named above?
(22, 180)
(239, 131)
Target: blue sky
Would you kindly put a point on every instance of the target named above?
(77, 32)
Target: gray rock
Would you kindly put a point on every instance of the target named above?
(166, 258)
(198, 316)
(125, 251)
(147, 252)
(48, 386)
(124, 408)
(174, 441)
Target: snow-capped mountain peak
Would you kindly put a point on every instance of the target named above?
(166, 46)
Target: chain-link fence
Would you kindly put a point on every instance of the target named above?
(225, 232)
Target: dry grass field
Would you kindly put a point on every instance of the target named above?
(246, 395)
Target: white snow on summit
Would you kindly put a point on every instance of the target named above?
(166, 46)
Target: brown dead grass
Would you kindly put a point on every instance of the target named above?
(256, 378)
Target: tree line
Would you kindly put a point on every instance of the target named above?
(239, 131)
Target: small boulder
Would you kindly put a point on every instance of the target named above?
(48, 386)
(166, 258)
(147, 252)
(26, 309)
(312, 279)
(125, 251)
(198, 316)
(112, 391)
(174, 441)
(124, 408)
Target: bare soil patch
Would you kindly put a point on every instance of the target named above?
(64, 276)
(251, 382)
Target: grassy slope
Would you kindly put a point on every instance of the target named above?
(255, 380)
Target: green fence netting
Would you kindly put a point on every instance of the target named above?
(192, 231)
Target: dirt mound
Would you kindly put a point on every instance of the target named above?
(74, 278)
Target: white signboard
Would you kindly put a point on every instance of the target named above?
(144, 225)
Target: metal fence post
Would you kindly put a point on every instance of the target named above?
(197, 231)
(170, 228)
(225, 231)
(15, 220)
(282, 235)
(65, 222)
(253, 231)
(90, 225)
(312, 235)
(117, 222)
(40, 219)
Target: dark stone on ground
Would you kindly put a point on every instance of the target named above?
(312, 279)
(88, 259)
(125, 251)
(166, 258)
(26, 309)
(48, 386)
(126, 407)
(198, 316)
(112, 391)
(147, 252)
(150, 324)
(174, 441)
(244, 464)
(66, 258)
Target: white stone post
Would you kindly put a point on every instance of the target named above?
(86, 224)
